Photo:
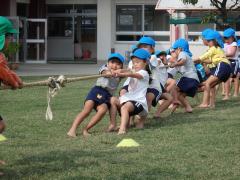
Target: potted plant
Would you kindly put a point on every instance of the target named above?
(10, 53)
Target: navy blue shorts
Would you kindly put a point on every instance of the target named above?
(163, 88)
(234, 67)
(223, 71)
(156, 95)
(1, 118)
(100, 96)
(125, 87)
(137, 108)
(170, 76)
(212, 71)
(188, 86)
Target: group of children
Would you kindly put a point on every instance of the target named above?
(150, 80)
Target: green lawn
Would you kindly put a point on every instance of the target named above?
(201, 145)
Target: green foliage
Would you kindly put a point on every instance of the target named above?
(12, 49)
(199, 145)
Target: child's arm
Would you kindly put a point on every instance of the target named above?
(180, 62)
(206, 57)
(231, 50)
(129, 74)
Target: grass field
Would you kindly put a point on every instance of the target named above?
(201, 145)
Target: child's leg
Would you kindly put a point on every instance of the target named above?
(122, 92)
(168, 100)
(212, 97)
(236, 86)
(227, 89)
(140, 121)
(223, 88)
(125, 110)
(170, 84)
(88, 106)
(185, 103)
(150, 98)
(210, 83)
(115, 103)
(101, 111)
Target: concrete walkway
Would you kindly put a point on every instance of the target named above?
(58, 69)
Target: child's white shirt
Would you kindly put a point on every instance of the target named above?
(188, 69)
(163, 74)
(137, 89)
(155, 83)
(109, 83)
(130, 66)
(226, 46)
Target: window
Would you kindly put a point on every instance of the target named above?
(129, 18)
(134, 21)
(59, 8)
(60, 27)
(156, 20)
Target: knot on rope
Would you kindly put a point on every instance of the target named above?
(54, 85)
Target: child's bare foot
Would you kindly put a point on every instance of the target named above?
(111, 128)
(225, 98)
(190, 110)
(2, 162)
(212, 106)
(139, 125)
(203, 106)
(86, 133)
(120, 132)
(71, 134)
(174, 107)
(235, 95)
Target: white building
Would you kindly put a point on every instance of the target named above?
(85, 30)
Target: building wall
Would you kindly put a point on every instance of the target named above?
(104, 28)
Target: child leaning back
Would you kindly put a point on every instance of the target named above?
(134, 101)
(100, 95)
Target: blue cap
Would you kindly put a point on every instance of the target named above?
(238, 43)
(229, 32)
(183, 44)
(146, 40)
(211, 35)
(205, 32)
(141, 54)
(158, 53)
(219, 39)
(116, 56)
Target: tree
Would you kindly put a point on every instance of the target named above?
(221, 16)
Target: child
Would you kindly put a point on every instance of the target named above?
(154, 90)
(99, 97)
(163, 77)
(188, 83)
(215, 55)
(7, 77)
(231, 52)
(134, 102)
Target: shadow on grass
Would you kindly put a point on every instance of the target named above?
(198, 115)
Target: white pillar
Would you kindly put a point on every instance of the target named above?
(182, 27)
(104, 28)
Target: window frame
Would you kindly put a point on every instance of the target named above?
(142, 32)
